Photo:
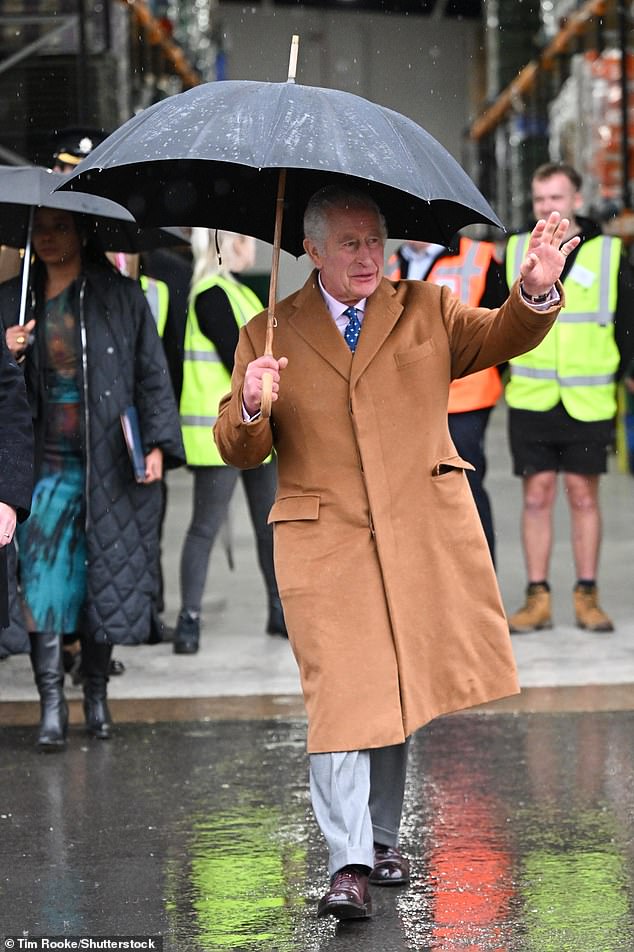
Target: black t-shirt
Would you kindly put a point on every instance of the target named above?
(217, 322)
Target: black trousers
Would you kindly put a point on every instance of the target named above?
(468, 431)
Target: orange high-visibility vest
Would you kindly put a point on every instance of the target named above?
(465, 275)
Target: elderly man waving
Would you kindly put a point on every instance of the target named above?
(389, 593)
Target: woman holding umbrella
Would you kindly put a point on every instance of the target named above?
(87, 556)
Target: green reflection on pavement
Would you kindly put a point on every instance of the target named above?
(241, 873)
(575, 901)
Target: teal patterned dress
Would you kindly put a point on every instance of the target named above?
(52, 542)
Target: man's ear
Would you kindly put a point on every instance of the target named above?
(312, 251)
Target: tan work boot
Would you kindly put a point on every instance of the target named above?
(588, 612)
(534, 615)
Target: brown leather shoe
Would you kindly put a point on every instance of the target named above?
(347, 897)
(390, 867)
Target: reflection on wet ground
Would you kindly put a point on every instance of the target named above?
(520, 829)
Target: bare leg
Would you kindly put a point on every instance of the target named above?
(585, 516)
(540, 490)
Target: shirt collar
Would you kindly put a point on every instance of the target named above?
(414, 254)
(335, 307)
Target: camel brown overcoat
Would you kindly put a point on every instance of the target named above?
(389, 593)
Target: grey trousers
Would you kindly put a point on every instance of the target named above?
(357, 799)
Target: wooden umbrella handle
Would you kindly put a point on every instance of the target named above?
(267, 394)
(267, 378)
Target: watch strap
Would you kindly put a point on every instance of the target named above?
(536, 298)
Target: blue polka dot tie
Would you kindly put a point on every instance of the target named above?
(353, 328)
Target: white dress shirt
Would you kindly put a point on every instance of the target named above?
(337, 309)
(419, 263)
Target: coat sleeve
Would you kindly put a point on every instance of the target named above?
(9, 302)
(481, 338)
(241, 444)
(154, 396)
(16, 436)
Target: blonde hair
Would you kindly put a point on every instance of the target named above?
(206, 243)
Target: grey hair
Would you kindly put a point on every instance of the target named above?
(335, 198)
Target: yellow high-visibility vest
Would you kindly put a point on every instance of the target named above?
(158, 297)
(577, 360)
(205, 378)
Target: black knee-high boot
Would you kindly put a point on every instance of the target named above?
(48, 668)
(95, 661)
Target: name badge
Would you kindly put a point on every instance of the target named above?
(582, 276)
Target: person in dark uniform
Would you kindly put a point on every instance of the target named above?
(16, 464)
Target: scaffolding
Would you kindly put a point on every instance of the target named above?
(64, 63)
(570, 101)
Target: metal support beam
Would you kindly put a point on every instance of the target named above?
(33, 47)
(12, 158)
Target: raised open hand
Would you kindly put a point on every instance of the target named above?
(545, 258)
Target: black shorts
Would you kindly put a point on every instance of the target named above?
(553, 440)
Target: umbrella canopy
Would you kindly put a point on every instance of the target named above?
(211, 156)
(24, 188)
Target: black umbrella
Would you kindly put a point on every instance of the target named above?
(211, 156)
(25, 188)
(246, 156)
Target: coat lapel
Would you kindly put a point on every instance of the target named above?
(311, 319)
(383, 310)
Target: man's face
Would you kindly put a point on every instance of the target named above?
(351, 259)
(64, 167)
(555, 194)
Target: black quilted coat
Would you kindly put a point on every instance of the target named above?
(123, 364)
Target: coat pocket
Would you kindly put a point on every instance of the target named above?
(411, 356)
(450, 465)
(295, 508)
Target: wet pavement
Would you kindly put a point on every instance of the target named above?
(520, 830)
(194, 822)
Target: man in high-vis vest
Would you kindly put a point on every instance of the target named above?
(562, 401)
(173, 266)
(470, 271)
(158, 297)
